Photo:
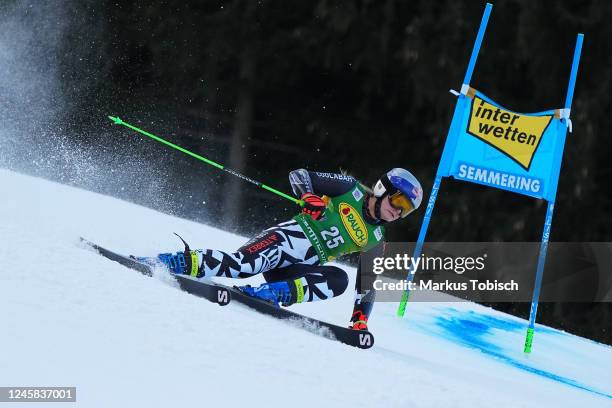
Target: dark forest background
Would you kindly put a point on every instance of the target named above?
(268, 86)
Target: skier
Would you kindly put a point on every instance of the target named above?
(340, 216)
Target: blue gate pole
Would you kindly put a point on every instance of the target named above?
(549, 211)
(477, 44)
(539, 275)
(434, 192)
(420, 240)
(574, 73)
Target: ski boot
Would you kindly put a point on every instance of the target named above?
(180, 263)
(361, 310)
(174, 262)
(278, 293)
(359, 321)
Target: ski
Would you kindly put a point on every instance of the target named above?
(356, 338)
(214, 293)
(222, 295)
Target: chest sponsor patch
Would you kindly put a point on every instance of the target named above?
(354, 224)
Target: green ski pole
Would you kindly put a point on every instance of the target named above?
(118, 121)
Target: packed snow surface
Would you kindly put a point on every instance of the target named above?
(73, 318)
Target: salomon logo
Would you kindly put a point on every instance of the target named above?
(222, 297)
(365, 339)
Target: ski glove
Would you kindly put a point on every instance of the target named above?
(313, 205)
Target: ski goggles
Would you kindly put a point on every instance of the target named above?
(401, 202)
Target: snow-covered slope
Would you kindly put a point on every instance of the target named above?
(73, 318)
